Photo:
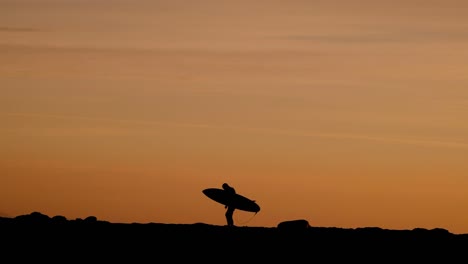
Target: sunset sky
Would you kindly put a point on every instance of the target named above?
(344, 113)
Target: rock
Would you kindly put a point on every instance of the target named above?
(299, 224)
(91, 219)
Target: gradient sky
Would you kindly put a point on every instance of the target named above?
(345, 113)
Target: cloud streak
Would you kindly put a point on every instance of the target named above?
(429, 142)
(18, 29)
(404, 35)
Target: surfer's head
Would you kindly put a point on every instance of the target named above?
(225, 186)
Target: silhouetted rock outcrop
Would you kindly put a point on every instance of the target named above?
(33, 218)
(59, 219)
(292, 241)
(90, 219)
(294, 225)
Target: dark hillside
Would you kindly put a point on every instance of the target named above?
(56, 238)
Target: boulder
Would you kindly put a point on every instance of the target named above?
(299, 224)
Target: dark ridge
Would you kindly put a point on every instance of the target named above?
(89, 239)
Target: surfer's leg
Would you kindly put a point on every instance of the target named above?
(229, 213)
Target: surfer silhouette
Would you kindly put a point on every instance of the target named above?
(232, 201)
(230, 209)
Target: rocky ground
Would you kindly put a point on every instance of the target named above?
(40, 237)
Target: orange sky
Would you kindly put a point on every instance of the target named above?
(345, 113)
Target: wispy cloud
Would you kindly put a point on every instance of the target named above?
(18, 29)
(388, 139)
(428, 142)
(403, 35)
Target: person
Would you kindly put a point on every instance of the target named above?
(229, 209)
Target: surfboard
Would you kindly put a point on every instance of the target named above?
(236, 200)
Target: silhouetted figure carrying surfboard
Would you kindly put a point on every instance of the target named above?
(230, 209)
(231, 200)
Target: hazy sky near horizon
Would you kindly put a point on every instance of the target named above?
(344, 113)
